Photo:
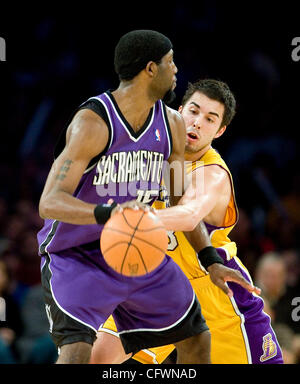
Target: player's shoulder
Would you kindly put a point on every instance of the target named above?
(87, 131)
(214, 165)
(216, 170)
(86, 123)
(214, 158)
(176, 123)
(177, 128)
(173, 115)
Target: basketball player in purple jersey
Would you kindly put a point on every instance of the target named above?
(115, 147)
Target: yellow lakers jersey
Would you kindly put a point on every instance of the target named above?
(180, 249)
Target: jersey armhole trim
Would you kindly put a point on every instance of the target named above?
(167, 125)
(97, 105)
(232, 191)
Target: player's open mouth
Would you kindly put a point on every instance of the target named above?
(192, 136)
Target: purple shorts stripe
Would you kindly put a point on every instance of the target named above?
(260, 340)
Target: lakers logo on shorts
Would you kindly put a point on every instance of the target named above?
(269, 348)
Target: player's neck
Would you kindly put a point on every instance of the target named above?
(194, 156)
(134, 93)
(134, 103)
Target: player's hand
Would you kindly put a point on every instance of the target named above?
(133, 204)
(219, 274)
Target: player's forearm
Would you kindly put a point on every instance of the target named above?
(199, 237)
(64, 207)
(179, 218)
(186, 215)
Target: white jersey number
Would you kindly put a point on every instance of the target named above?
(146, 196)
(173, 242)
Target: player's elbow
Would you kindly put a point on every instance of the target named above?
(45, 207)
(192, 222)
(192, 225)
(42, 209)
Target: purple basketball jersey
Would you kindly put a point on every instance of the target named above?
(131, 168)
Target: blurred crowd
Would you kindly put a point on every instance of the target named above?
(63, 68)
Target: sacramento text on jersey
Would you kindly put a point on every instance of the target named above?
(121, 167)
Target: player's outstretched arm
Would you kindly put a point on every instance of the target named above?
(199, 199)
(86, 137)
(219, 273)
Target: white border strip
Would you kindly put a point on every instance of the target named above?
(90, 168)
(44, 263)
(116, 334)
(59, 306)
(110, 331)
(165, 328)
(48, 233)
(244, 332)
(239, 263)
(152, 355)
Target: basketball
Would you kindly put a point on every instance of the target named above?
(134, 242)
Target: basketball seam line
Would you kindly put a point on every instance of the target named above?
(140, 254)
(135, 228)
(142, 230)
(138, 238)
(130, 242)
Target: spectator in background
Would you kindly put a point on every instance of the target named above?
(286, 337)
(18, 246)
(11, 328)
(291, 258)
(35, 345)
(271, 277)
(296, 347)
(30, 343)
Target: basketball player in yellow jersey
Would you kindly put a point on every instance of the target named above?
(240, 330)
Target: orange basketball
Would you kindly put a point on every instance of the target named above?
(134, 242)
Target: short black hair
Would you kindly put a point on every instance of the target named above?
(136, 48)
(215, 90)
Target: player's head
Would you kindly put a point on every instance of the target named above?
(150, 53)
(208, 107)
(4, 277)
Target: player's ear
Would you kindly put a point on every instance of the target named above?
(180, 109)
(151, 68)
(220, 131)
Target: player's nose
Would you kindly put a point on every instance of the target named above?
(197, 123)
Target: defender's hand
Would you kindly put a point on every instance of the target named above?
(219, 274)
(133, 204)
